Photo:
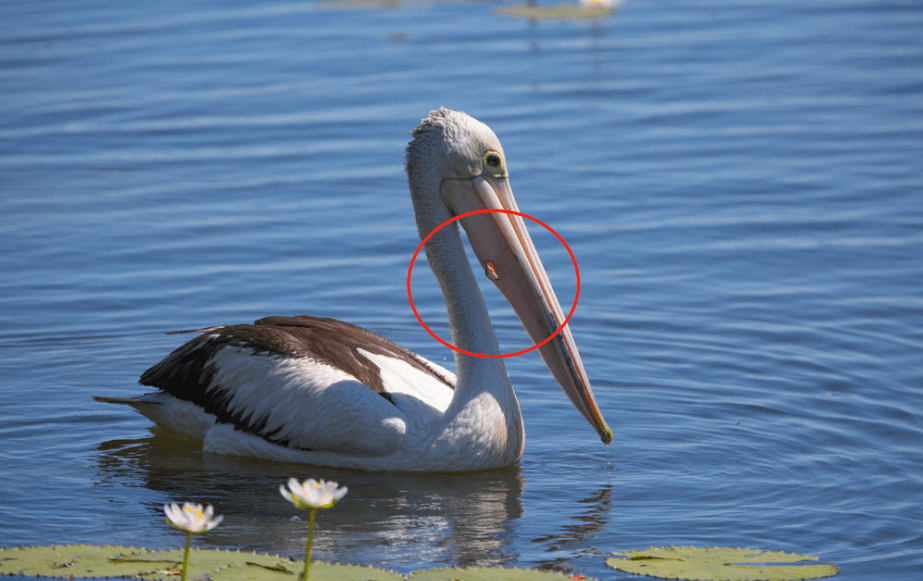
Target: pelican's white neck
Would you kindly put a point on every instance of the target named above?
(469, 320)
(484, 410)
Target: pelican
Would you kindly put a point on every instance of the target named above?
(320, 391)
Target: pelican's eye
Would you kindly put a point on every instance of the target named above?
(493, 162)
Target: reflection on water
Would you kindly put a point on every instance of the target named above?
(460, 518)
(578, 538)
(396, 520)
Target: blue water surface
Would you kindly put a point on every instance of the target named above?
(740, 182)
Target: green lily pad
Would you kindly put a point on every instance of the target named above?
(113, 561)
(487, 574)
(559, 12)
(336, 572)
(68, 560)
(719, 563)
(214, 563)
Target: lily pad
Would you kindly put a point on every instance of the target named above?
(71, 560)
(559, 12)
(214, 563)
(336, 572)
(487, 574)
(720, 563)
(114, 561)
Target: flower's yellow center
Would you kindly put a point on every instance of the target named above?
(194, 511)
(317, 485)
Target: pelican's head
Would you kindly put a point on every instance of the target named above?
(450, 146)
(455, 165)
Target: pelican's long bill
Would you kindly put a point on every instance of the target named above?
(504, 248)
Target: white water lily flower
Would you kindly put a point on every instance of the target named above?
(312, 493)
(191, 518)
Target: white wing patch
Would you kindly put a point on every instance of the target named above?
(409, 386)
(307, 404)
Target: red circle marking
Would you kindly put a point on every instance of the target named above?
(520, 214)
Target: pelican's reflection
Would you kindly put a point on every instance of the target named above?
(389, 520)
(577, 536)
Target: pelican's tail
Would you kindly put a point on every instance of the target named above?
(175, 416)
